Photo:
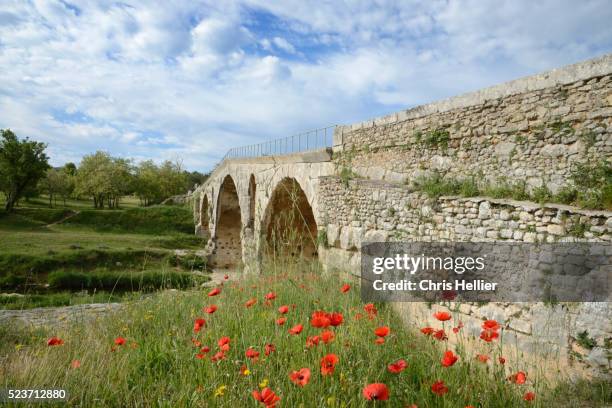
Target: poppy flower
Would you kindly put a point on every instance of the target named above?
(251, 353)
(218, 356)
(250, 302)
(427, 331)
(75, 364)
(370, 309)
(281, 320)
(449, 358)
(440, 335)
(489, 335)
(327, 336)
(529, 396)
(382, 331)
(502, 360)
(55, 341)
(266, 397)
(345, 288)
(439, 388)
(300, 377)
(198, 324)
(483, 358)
(518, 378)
(335, 319)
(328, 364)
(200, 356)
(320, 319)
(283, 309)
(120, 341)
(397, 367)
(224, 343)
(214, 292)
(442, 316)
(297, 329)
(491, 325)
(210, 309)
(270, 296)
(312, 341)
(225, 277)
(379, 340)
(196, 343)
(205, 349)
(459, 327)
(269, 348)
(376, 392)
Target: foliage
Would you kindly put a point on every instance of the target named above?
(104, 178)
(585, 341)
(22, 164)
(57, 182)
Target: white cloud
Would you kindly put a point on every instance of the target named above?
(162, 79)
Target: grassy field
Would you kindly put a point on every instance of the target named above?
(47, 252)
(155, 354)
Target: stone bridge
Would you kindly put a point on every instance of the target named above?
(529, 135)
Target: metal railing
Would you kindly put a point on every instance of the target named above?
(312, 140)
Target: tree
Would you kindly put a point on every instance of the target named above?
(104, 178)
(22, 164)
(57, 182)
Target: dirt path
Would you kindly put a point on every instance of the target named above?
(72, 214)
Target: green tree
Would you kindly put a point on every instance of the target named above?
(22, 164)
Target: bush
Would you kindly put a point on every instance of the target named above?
(150, 220)
(122, 281)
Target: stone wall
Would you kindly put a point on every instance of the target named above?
(531, 130)
(369, 211)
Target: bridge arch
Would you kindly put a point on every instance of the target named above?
(204, 216)
(228, 242)
(252, 201)
(289, 226)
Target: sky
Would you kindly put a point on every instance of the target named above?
(189, 79)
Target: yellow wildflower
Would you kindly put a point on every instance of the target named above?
(264, 383)
(220, 391)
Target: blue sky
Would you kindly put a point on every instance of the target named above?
(187, 79)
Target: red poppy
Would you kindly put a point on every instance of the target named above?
(442, 316)
(251, 353)
(335, 319)
(518, 378)
(312, 341)
(224, 343)
(483, 358)
(491, 325)
(320, 319)
(266, 397)
(370, 309)
(75, 364)
(379, 340)
(300, 377)
(218, 356)
(205, 349)
(250, 302)
(55, 341)
(459, 327)
(200, 356)
(270, 296)
(214, 292)
(345, 288)
(440, 335)
(120, 341)
(328, 364)
(489, 335)
(449, 358)
(529, 396)
(210, 309)
(439, 388)
(269, 348)
(376, 392)
(225, 277)
(397, 367)
(327, 336)
(382, 331)
(283, 309)
(502, 360)
(427, 331)
(297, 329)
(196, 343)
(281, 320)
(198, 324)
